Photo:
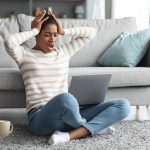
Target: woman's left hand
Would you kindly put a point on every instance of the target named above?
(59, 27)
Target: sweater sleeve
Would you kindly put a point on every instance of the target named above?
(13, 43)
(81, 36)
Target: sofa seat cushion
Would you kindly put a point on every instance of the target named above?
(121, 76)
(11, 79)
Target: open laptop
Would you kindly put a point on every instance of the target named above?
(89, 89)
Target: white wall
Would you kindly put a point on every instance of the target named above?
(132, 8)
(89, 6)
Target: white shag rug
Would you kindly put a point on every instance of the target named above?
(130, 135)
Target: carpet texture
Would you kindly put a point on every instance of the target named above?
(132, 135)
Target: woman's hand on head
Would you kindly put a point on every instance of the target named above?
(59, 27)
(38, 20)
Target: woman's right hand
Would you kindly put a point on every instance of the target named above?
(38, 20)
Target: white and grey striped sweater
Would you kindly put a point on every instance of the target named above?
(45, 75)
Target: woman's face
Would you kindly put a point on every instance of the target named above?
(47, 38)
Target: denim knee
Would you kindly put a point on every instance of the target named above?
(125, 108)
(68, 103)
(67, 100)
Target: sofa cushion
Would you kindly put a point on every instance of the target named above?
(11, 79)
(24, 22)
(121, 76)
(127, 50)
(7, 27)
(107, 32)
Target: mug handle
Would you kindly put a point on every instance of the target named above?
(11, 128)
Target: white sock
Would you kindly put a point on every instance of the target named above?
(59, 137)
(57, 132)
(109, 130)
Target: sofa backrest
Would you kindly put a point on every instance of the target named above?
(107, 32)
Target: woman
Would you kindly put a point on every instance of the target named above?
(51, 109)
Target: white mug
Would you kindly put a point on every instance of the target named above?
(6, 128)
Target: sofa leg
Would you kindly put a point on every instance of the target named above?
(148, 111)
(137, 112)
(137, 107)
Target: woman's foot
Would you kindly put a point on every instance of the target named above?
(59, 137)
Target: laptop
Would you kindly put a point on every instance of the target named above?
(89, 89)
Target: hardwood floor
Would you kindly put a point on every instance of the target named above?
(139, 113)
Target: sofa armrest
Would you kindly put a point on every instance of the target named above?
(145, 62)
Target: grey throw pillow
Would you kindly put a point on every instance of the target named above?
(24, 22)
(8, 26)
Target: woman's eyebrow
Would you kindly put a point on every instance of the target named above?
(51, 32)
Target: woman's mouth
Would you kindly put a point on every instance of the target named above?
(51, 47)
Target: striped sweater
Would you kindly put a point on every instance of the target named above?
(45, 75)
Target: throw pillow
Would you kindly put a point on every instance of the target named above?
(127, 50)
(24, 22)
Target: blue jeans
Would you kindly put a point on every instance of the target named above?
(63, 113)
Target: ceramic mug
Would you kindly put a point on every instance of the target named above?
(6, 128)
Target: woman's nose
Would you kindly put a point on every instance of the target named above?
(52, 39)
